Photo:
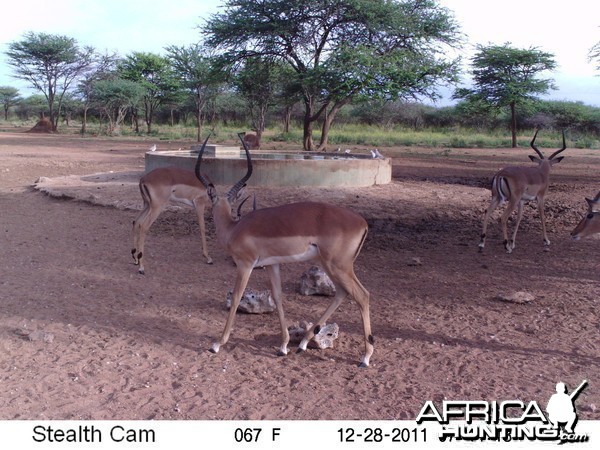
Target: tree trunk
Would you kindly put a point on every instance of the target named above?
(287, 118)
(84, 121)
(329, 117)
(513, 124)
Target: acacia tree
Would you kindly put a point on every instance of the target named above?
(504, 76)
(155, 74)
(103, 68)
(115, 97)
(594, 55)
(342, 49)
(259, 82)
(9, 97)
(194, 66)
(50, 63)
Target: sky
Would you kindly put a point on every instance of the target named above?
(568, 30)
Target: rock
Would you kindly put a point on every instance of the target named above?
(36, 336)
(254, 302)
(316, 282)
(415, 261)
(323, 339)
(516, 297)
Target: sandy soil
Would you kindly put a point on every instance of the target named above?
(84, 336)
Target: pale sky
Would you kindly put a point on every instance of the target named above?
(566, 29)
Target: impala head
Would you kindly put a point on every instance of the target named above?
(552, 159)
(235, 193)
(590, 224)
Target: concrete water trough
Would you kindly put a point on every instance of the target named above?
(226, 165)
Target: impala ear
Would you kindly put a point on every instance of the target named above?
(535, 159)
(556, 160)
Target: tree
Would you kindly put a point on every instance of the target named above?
(154, 73)
(594, 55)
(504, 76)
(9, 97)
(114, 97)
(103, 68)
(50, 63)
(194, 65)
(258, 82)
(342, 49)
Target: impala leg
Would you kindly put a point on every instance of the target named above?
(519, 217)
(504, 220)
(200, 213)
(140, 228)
(346, 284)
(488, 213)
(275, 277)
(241, 282)
(543, 219)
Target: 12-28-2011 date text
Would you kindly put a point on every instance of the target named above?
(367, 435)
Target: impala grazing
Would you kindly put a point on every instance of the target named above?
(590, 224)
(158, 188)
(329, 235)
(516, 185)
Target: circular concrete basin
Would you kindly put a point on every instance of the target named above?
(225, 166)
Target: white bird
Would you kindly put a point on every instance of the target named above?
(338, 149)
(373, 154)
(378, 155)
(347, 151)
(153, 148)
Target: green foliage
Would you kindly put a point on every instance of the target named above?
(504, 76)
(342, 49)
(594, 55)
(50, 63)
(155, 74)
(9, 97)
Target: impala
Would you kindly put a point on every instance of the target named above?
(158, 188)
(590, 224)
(516, 185)
(296, 232)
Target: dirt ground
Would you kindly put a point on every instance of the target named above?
(84, 336)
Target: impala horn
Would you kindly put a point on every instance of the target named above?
(561, 149)
(206, 182)
(240, 184)
(533, 144)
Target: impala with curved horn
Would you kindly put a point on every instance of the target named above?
(516, 185)
(296, 232)
(590, 224)
(158, 188)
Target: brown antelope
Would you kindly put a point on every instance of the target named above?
(296, 232)
(158, 188)
(590, 224)
(516, 185)
(252, 140)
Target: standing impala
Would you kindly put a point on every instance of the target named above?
(516, 185)
(158, 188)
(296, 232)
(590, 224)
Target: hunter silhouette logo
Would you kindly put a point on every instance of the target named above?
(561, 407)
(509, 420)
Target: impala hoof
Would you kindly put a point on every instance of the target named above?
(299, 350)
(280, 353)
(362, 365)
(141, 272)
(214, 348)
